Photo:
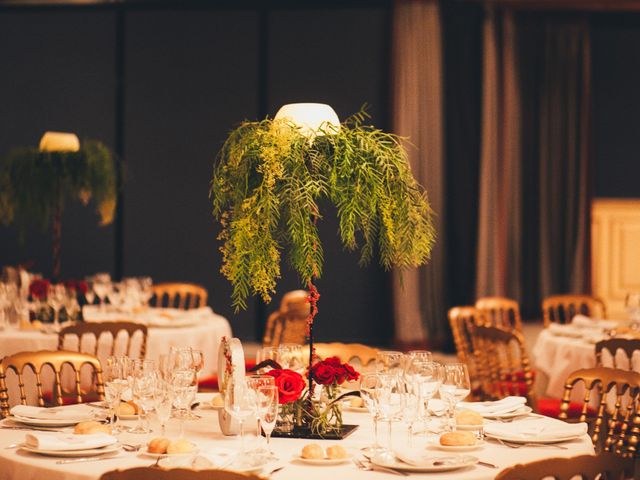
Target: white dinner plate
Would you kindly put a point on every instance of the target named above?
(349, 408)
(460, 448)
(435, 464)
(524, 410)
(532, 438)
(53, 422)
(323, 461)
(147, 453)
(89, 452)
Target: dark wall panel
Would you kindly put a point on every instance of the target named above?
(339, 57)
(616, 76)
(57, 73)
(190, 76)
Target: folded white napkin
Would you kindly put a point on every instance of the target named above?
(583, 321)
(60, 442)
(498, 407)
(421, 458)
(536, 428)
(70, 412)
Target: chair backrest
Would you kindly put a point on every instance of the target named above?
(499, 312)
(462, 320)
(180, 295)
(617, 426)
(562, 308)
(613, 345)
(587, 467)
(35, 361)
(154, 473)
(98, 329)
(502, 363)
(347, 352)
(289, 324)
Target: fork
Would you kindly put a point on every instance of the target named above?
(371, 467)
(520, 445)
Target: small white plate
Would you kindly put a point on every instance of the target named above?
(54, 422)
(147, 453)
(323, 461)
(90, 452)
(460, 448)
(450, 462)
(524, 410)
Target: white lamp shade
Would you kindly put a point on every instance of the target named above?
(310, 117)
(59, 142)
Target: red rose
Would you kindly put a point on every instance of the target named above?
(39, 289)
(82, 287)
(351, 372)
(290, 384)
(323, 373)
(333, 361)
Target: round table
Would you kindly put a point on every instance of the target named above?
(16, 464)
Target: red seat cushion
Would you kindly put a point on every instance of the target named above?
(69, 399)
(550, 407)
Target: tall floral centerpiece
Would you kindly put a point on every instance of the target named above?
(270, 177)
(35, 183)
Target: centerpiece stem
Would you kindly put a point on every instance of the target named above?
(313, 298)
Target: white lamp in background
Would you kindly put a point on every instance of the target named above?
(59, 142)
(310, 117)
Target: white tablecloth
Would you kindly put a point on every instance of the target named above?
(205, 335)
(15, 464)
(557, 356)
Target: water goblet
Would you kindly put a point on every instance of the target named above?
(144, 377)
(424, 376)
(632, 305)
(370, 385)
(390, 401)
(115, 383)
(240, 403)
(182, 393)
(389, 361)
(455, 387)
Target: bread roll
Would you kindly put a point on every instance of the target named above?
(458, 439)
(312, 450)
(356, 402)
(127, 408)
(336, 451)
(217, 401)
(182, 445)
(87, 428)
(158, 445)
(469, 417)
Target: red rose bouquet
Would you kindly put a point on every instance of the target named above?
(39, 289)
(290, 385)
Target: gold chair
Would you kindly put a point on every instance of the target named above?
(462, 320)
(35, 361)
(289, 324)
(562, 308)
(502, 363)
(180, 295)
(347, 352)
(613, 345)
(98, 329)
(621, 420)
(154, 473)
(587, 467)
(499, 312)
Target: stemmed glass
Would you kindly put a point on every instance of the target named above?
(55, 299)
(255, 382)
(163, 403)
(370, 385)
(240, 403)
(454, 388)
(183, 392)
(389, 362)
(632, 305)
(115, 383)
(390, 400)
(267, 400)
(411, 409)
(424, 376)
(145, 377)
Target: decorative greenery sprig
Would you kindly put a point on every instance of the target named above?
(268, 182)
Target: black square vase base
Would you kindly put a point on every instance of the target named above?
(301, 432)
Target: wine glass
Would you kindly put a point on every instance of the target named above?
(455, 387)
(145, 377)
(390, 401)
(182, 392)
(411, 409)
(240, 403)
(632, 305)
(267, 402)
(163, 404)
(424, 376)
(56, 299)
(115, 383)
(255, 382)
(370, 384)
(389, 361)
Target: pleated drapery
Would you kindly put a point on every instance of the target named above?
(417, 99)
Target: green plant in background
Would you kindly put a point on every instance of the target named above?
(268, 182)
(34, 186)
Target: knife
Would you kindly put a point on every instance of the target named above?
(87, 459)
(40, 429)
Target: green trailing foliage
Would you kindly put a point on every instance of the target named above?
(269, 179)
(33, 183)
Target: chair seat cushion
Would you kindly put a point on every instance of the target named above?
(550, 407)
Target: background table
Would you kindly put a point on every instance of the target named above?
(205, 433)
